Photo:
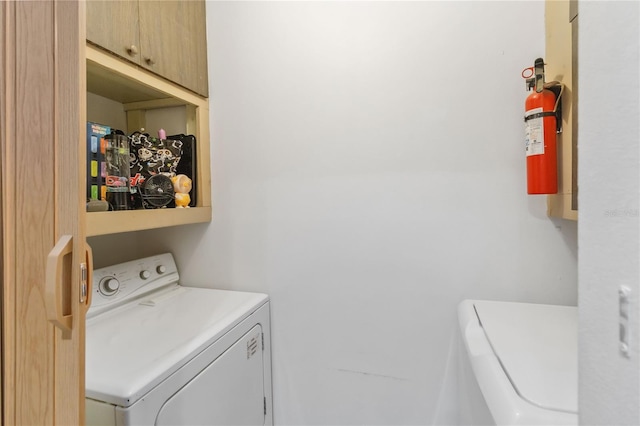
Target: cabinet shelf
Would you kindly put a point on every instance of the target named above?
(103, 223)
(139, 91)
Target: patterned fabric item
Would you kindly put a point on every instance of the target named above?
(150, 156)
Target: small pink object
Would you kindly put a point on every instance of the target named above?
(162, 134)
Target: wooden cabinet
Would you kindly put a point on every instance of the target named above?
(42, 168)
(113, 25)
(166, 37)
(139, 91)
(173, 41)
(44, 65)
(561, 29)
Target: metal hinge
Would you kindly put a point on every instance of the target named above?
(265, 405)
(263, 341)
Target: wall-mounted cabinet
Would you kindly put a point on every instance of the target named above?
(561, 27)
(167, 38)
(139, 92)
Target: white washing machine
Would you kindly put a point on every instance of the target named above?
(519, 364)
(159, 353)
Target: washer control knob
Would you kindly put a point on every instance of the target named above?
(145, 274)
(161, 269)
(109, 286)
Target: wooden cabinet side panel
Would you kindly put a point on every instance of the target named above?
(173, 42)
(574, 116)
(70, 153)
(113, 25)
(204, 166)
(558, 60)
(7, 239)
(33, 204)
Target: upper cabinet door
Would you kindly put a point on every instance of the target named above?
(166, 37)
(174, 42)
(113, 25)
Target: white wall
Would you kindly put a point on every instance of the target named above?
(368, 173)
(105, 111)
(609, 183)
(111, 113)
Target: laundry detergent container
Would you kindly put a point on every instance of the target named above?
(518, 364)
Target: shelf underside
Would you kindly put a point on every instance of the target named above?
(113, 86)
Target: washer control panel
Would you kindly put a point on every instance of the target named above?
(115, 285)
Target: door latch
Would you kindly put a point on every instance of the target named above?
(83, 282)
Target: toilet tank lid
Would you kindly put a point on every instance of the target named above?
(537, 346)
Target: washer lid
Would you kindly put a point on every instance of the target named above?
(132, 348)
(537, 346)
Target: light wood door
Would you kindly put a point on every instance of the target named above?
(173, 42)
(113, 25)
(41, 141)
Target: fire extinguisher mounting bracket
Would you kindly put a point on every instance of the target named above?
(557, 88)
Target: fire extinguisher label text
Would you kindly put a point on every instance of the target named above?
(534, 130)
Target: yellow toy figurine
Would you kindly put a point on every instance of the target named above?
(182, 187)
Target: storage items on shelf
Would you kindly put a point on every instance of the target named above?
(159, 171)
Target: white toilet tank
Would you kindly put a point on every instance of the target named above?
(518, 364)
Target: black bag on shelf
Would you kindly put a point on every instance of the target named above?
(151, 156)
(188, 163)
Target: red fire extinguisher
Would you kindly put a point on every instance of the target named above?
(541, 128)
